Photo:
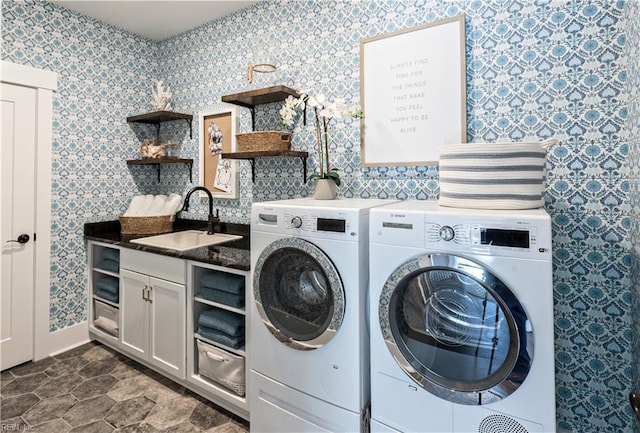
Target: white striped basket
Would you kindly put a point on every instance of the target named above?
(493, 175)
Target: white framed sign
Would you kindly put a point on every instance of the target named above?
(413, 93)
(217, 135)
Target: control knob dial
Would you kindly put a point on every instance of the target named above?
(296, 222)
(447, 233)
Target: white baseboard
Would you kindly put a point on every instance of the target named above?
(67, 338)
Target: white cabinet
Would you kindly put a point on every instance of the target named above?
(104, 292)
(216, 334)
(153, 310)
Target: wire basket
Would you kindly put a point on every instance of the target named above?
(145, 225)
(263, 140)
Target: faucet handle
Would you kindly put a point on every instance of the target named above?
(218, 213)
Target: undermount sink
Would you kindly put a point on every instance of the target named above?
(185, 240)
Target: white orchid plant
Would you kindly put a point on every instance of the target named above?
(324, 111)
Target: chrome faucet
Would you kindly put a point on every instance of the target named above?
(212, 221)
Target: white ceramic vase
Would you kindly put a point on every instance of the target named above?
(325, 189)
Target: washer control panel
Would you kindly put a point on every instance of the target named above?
(318, 222)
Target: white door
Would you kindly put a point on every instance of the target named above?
(17, 224)
(168, 326)
(134, 289)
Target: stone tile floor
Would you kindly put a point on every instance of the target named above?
(93, 389)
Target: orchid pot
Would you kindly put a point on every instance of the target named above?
(324, 112)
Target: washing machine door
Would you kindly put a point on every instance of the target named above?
(298, 293)
(456, 329)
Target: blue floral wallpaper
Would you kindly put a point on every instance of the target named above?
(103, 76)
(632, 51)
(562, 69)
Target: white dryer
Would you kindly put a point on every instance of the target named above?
(309, 342)
(461, 320)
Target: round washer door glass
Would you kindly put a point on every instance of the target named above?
(456, 329)
(298, 293)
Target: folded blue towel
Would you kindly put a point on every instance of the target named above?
(219, 337)
(109, 265)
(224, 321)
(108, 296)
(223, 281)
(223, 297)
(108, 284)
(111, 254)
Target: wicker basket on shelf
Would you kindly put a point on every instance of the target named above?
(146, 225)
(263, 140)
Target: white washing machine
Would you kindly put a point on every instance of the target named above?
(461, 320)
(309, 340)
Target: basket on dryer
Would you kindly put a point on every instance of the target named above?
(493, 175)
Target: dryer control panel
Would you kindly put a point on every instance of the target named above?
(501, 233)
(516, 237)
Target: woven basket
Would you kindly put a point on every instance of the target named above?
(145, 225)
(263, 140)
(493, 175)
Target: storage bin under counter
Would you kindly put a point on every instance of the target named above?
(106, 318)
(222, 367)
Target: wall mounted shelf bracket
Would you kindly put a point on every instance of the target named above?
(164, 160)
(157, 117)
(252, 156)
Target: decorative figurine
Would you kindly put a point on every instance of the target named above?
(160, 101)
(149, 149)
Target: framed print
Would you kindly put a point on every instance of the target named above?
(218, 135)
(413, 93)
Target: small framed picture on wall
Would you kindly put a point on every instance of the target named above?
(218, 136)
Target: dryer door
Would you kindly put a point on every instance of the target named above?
(456, 329)
(298, 293)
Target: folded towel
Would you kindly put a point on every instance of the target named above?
(172, 204)
(107, 324)
(223, 297)
(109, 265)
(108, 296)
(135, 206)
(223, 281)
(157, 205)
(111, 254)
(224, 321)
(219, 337)
(108, 284)
(145, 205)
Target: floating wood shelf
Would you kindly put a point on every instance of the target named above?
(251, 157)
(157, 117)
(164, 160)
(268, 95)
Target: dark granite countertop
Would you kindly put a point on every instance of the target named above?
(233, 254)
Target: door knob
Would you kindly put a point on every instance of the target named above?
(22, 239)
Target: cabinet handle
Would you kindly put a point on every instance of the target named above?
(149, 294)
(145, 295)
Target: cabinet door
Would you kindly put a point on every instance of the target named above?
(134, 312)
(167, 326)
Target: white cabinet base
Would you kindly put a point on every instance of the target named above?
(155, 319)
